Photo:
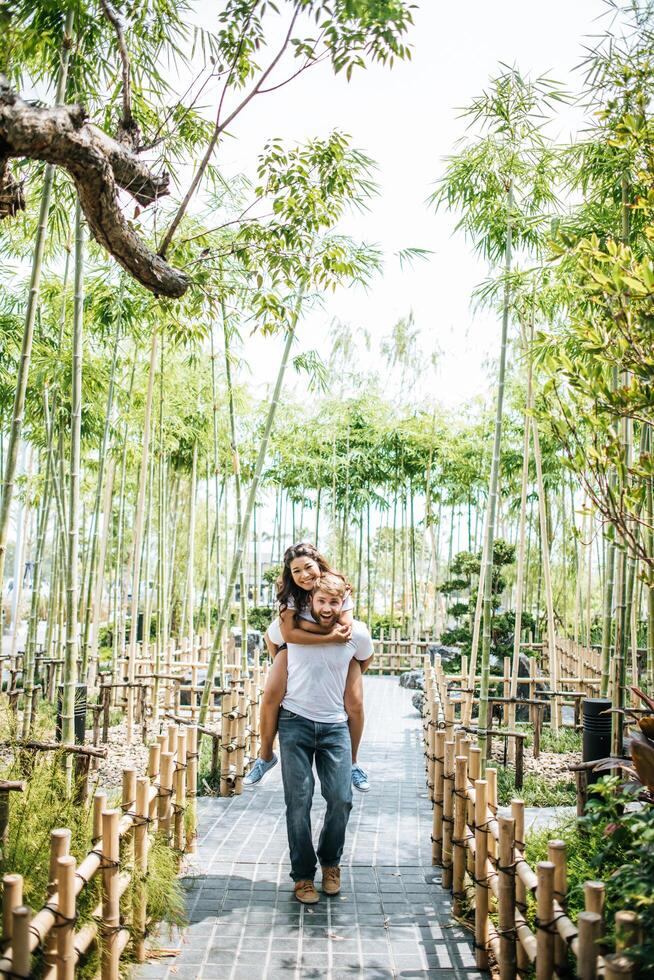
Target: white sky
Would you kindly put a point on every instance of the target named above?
(406, 120)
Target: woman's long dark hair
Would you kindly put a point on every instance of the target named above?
(286, 587)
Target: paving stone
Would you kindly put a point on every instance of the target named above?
(392, 918)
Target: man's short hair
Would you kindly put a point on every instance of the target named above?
(332, 584)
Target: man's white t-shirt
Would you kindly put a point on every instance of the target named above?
(317, 673)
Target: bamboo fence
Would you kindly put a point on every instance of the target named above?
(483, 862)
(162, 801)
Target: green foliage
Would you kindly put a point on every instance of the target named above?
(613, 843)
(260, 617)
(536, 791)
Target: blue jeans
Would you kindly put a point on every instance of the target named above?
(301, 741)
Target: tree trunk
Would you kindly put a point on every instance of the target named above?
(517, 633)
(72, 584)
(487, 606)
(547, 577)
(138, 537)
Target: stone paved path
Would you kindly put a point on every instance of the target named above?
(392, 918)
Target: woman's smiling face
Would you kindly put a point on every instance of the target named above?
(305, 572)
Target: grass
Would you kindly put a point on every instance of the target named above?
(536, 791)
(45, 805)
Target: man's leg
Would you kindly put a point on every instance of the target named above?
(353, 699)
(296, 743)
(334, 766)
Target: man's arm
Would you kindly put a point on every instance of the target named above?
(365, 650)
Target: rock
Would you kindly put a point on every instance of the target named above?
(417, 701)
(445, 653)
(414, 680)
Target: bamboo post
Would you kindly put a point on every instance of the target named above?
(180, 790)
(617, 966)
(12, 898)
(110, 895)
(128, 801)
(172, 737)
(192, 756)
(437, 822)
(474, 773)
(66, 919)
(154, 763)
(506, 898)
(241, 719)
(448, 797)
(431, 748)
(59, 847)
(518, 814)
(626, 930)
(165, 792)
(491, 796)
(99, 806)
(225, 733)
(21, 959)
(556, 854)
(545, 913)
(481, 877)
(460, 833)
(588, 924)
(594, 897)
(140, 865)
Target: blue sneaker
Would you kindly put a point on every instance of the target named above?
(259, 770)
(360, 779)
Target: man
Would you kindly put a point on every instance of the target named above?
(313, 725)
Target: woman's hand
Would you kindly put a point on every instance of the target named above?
(341, 633)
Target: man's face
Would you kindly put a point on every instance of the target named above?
(326, 608)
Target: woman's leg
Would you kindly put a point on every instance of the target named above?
(271, 699)
(353, 699)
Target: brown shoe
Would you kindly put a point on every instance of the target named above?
(331, 881)
(306, 893)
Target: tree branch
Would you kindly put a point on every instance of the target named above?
(129, 132)
(98, 165)
(218, 129)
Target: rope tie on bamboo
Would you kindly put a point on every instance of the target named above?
(60, 920)
(137, 818)
(192, 755)
(15, 976)
(126, 808)
(105, 862)
(436, 840)
(462, 841)
(165, 791)
(482, 882)
(179, 766)
(550, 927)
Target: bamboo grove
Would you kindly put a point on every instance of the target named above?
(144, 477)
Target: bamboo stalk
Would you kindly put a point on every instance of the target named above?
(139, 913)
(545, 912)
(506, 898)
(481, 879)
(12, 898)
(66, 926)
(589, 925)
(460, 833)
(110, 896)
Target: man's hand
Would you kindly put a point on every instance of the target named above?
(341, 633)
